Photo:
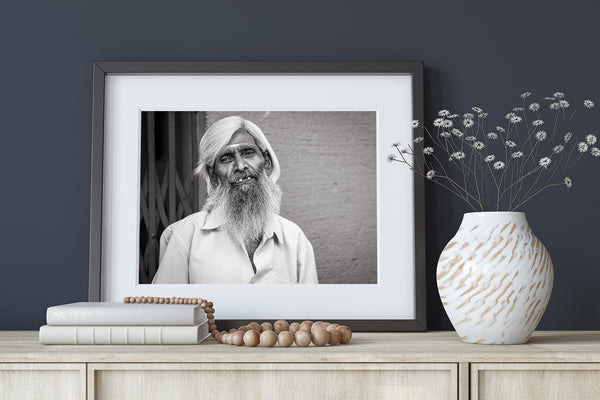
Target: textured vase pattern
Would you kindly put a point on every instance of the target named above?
(495, 278)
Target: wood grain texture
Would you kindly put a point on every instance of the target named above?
(535, 381)
(422, 347)
(42, 381)
(281, 381)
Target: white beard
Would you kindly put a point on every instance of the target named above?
(247, 209)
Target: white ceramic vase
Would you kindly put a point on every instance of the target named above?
(495, 278)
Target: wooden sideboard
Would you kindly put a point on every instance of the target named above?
(430, 365)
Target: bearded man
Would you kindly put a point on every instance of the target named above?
(239, 236)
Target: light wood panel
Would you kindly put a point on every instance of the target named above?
(422, 347)
(534, 381)
(42, 381)
(273, 381)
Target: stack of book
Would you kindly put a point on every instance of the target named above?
(124, 323)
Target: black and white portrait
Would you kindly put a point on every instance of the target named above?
(258, 197)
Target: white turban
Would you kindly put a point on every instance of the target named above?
(219, 134)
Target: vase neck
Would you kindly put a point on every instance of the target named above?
(492, 217)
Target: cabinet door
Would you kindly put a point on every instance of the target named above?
(535, 381)
(42, 381)
(273, 381)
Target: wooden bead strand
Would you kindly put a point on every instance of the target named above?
(320, 333)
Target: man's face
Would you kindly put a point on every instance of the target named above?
(240, 161)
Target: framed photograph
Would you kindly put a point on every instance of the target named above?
(262, 186)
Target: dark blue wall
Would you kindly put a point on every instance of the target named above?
(475, 53)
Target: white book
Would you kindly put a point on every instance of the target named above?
(107, 313)
(123, 334)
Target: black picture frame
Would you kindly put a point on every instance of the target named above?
(104, 68)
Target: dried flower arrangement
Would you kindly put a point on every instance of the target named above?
(506, 167)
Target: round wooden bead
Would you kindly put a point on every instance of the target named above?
(335, 337)
(302, 338)
(225, 338)
(255, 326)
(212, 327)
(268, 338)
(285, 339)
(203, 305)
(209, 304)
(332, 326)
(243, 329)
(280, 326)
(212, 321)
(161, 300)
(320, 337)
(214, 333)
(346, 334)
(194, 301)
(125, 299)
(219, 336)
(294, 327)
(266, 326)
(210, 316)
(232, 330)
(251, 338)
(238, 338)
(306, 325)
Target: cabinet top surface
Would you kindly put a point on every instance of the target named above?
(544, 346)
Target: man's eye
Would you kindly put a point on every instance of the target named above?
(225, 158)
(248, 153)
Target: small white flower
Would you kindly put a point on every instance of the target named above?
(568, 137)
(591, 139)
(430, 174)
(537, 122)
(489, 158)
(418, 139)
(467, 123)
(457, 155)
(470, 138)
(549, 98)
(447, 123)
(545, 162)
(510, 115)
(457, 132)
(500, 129)
(588, 103)
(558, 149)
(554, 106)
(518, 109)
(595, 152)
(516, 119)
(534, 107)
(468, 116)
(445, 134)
(453, 116)
(391, 158)
(415, 123)
(443, 113)
(517, 154)
(568, 182)
(477, 109)
(541, 135)
(582, 147)
(428, 151)
(525, 95)
(510, 143)
(558, 95)
(492, 135)
(478, 145)
(482, 115)
(438, 122)
(498, 165)
(563, 104)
